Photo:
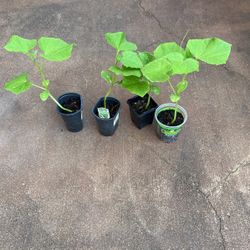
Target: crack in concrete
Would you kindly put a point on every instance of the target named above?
(217, 216)
(149, 14)
(243, 164)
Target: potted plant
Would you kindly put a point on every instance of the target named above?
(69, 105)
(171, 61)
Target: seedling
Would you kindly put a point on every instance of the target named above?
(171, 60)
(50, 49)
(126, 72)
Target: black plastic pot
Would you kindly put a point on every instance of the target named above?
(107, 127)
(144, 119)
(73, 121)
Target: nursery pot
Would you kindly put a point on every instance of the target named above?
(74, 120)
(168, 133)
(107, 127)
(145, 118)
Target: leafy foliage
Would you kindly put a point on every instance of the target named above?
(135, 85)
(55, 49)
(210, 50)
(18, 84)
(52, 49)
(20, 45)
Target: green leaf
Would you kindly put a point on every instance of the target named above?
(157, 70)
(131, 59)
(135, 85)
(165, 48)
(126, 46)
(210, 50)
(146, 57)
(18, 84)
(155, 89)
(20, 45)
(181, 86)
(180, 65)
(115, 39)
(118, 41)
(44, 95)
(174, 98)
(106, 76)
(55, 49)
(125, 71)
(45, 83)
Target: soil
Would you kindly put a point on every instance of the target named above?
(73, 103)
(140, 105)
(113, 108)
(167, 116)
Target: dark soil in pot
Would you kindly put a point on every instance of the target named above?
(141, 116)
(73, 103)
(107, 127)
(112, 107)
(73, 120)
(166, 117)
(140, 105)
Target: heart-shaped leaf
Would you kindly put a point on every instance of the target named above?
(20, 44)
(181, 65)
(115, 39)
(165, 48)
(157, 70)
(155, 89)
(210, 50)
(146, 57)
(18, 84)
(106, 76)
(174, 98)
(44, 95)
(181, 86)
(131, 59)
(135, 85)
(125, 71)
(55, 49)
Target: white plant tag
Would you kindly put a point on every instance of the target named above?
(103, 113)
(116, 119)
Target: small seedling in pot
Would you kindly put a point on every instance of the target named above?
(126, 72)
(37, 51)
(173, 60)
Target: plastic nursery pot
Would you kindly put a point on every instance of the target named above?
(74, 120)
(145, 118)
(169, 133)
(107, 127)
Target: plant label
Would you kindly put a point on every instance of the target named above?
(103, 113)
(116, 119)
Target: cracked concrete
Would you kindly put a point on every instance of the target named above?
(60, 190)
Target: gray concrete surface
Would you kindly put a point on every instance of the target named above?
(60, 190)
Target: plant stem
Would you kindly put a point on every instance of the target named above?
(148, 102)
(172, 87)
(175, 113)
(37, 86)
(58, 104)
(108, 93)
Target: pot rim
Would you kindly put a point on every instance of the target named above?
(73, 113)
(170, 105)
(108, 98)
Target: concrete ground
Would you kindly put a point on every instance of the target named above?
(60, 190)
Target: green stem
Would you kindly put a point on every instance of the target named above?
(58, 104)
(108, 93)
(37, 86)
(175, 113)
(148, 102)
(172, 87)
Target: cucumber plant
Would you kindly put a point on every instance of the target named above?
(126, 70)
(37, 51)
